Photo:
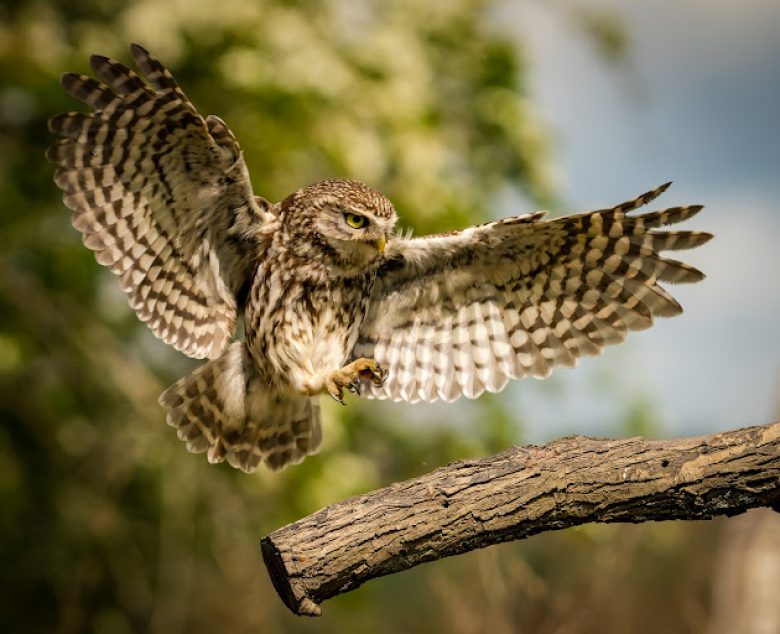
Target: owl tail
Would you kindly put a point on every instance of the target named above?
(224, 408)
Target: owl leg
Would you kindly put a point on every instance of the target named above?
(349, 377)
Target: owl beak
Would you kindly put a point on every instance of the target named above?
(380, 244)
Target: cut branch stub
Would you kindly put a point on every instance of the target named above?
(516, 493)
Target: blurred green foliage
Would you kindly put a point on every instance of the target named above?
(107, 524)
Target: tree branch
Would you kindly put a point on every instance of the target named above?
(516, 493)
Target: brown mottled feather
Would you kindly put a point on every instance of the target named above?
(154, 194)
(520, 296)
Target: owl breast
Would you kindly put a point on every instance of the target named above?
(298, 327)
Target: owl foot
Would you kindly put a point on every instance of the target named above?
(349, 377)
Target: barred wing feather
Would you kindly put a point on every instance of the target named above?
(461, 313)
(155, 189)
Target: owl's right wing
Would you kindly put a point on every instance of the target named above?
(163, 197)
(461, 313)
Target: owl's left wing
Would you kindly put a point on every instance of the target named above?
(461, 313)
(162, 195)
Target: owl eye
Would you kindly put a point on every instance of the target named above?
(356, 221)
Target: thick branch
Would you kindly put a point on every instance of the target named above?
(517, 493)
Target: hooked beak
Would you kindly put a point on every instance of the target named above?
(380, 244)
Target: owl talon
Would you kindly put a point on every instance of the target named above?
(370, 370)
(335, 388)
(354, 387)
(349, 377)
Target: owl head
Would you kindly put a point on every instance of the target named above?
(346, 222)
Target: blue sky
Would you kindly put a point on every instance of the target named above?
(697, 103)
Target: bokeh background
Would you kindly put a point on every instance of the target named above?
(460, 111)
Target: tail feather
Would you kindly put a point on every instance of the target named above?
(224, 409)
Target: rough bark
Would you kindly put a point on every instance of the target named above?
(517, 493)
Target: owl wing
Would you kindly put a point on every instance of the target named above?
(163, 197)
(464, 312)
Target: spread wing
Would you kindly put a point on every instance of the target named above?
(162, 196)
(465, 312)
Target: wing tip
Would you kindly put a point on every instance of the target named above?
(69, 79)
(641, 200)
(144, 60)
(97, 62)
(694, 275)
(652, 194)
(694, 209)
(680, 273)
(53, 124)
(136, 50)
(52, 152)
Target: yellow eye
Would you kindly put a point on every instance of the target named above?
(356, 221)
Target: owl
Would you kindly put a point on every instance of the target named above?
(333, 298)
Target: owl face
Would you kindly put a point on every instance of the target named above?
(347, 220)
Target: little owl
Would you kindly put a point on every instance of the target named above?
(332, 297)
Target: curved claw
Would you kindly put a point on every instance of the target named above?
(354, 387)
(335, 392)
(338, 398)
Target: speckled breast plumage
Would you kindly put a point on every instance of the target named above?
(301, 320)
